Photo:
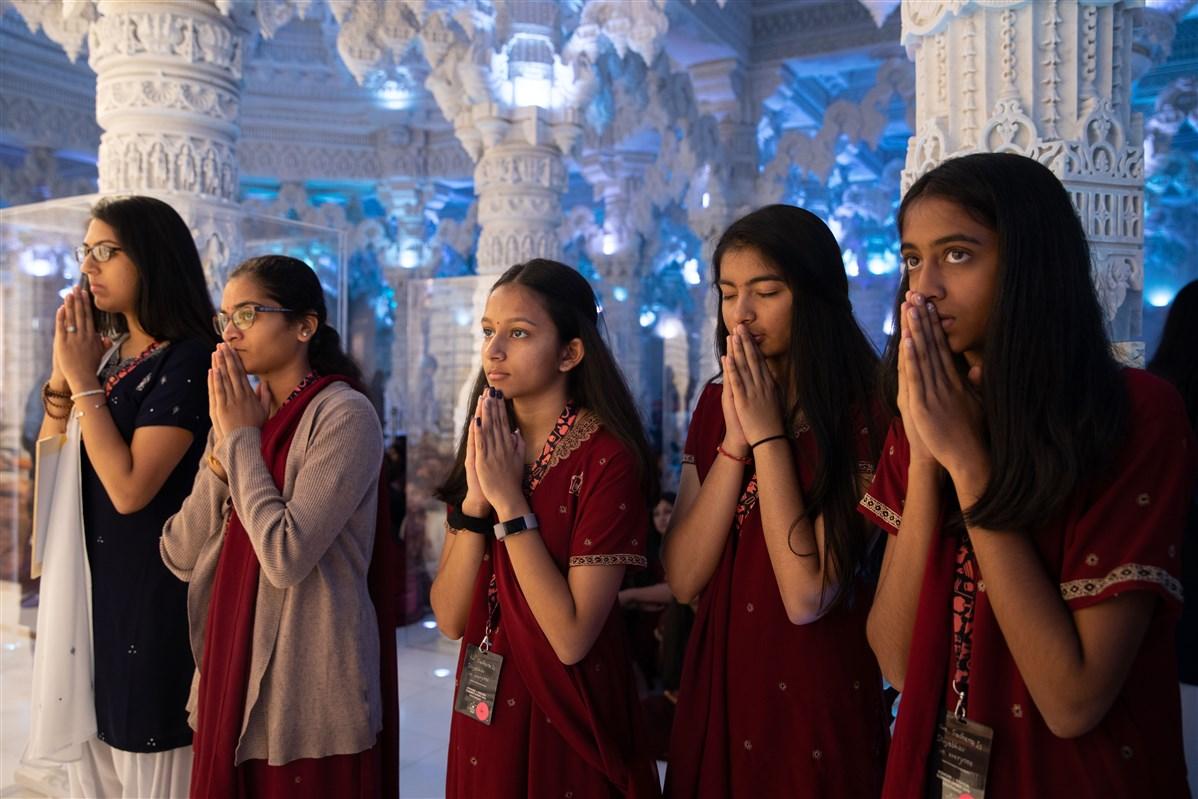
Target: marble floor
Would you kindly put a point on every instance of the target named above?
(426, 663)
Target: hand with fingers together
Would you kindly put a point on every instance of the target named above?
(754, 392)
(734, 442)
(499, 455)
(919, 451)
(78, 346)
(232, 401)
(475, 503)
(942, 409)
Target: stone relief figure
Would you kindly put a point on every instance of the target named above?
(187, 175)
(209, 173)
(1112, 284)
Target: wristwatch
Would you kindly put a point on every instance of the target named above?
(518, 525)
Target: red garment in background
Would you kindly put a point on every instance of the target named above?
(1121, 534)
(766, 707)
(228, 640)
(561, 730)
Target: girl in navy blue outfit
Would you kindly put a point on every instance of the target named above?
(144, 421)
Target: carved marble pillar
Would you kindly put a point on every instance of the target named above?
(167, 98)
(617, 251)
(726, 188)
(519, 179)
(168, 91)
(1050, 79)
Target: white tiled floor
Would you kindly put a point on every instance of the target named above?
(426, 665)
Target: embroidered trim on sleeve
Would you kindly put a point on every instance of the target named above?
(1127, 573)
(881, 510)
(609, 560)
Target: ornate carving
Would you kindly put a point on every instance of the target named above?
(970, 92)
(156, 162)
(858, 122)
(65, 23)
(48, 123)
(37, 179)
(636, 25)
(1090, 141)
(1051, 61)
(162, 33)
(120, 95)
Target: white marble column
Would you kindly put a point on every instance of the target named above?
(168, 88)
(519, 179)
(1050, 79)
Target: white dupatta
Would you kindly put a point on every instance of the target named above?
(63, 702)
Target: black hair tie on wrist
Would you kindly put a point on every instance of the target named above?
(765, 440)
(475, 524)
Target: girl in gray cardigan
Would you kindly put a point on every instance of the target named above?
(275, 541)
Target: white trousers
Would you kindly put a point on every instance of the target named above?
(107, 773)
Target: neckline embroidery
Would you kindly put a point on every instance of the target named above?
(572, 428)
(123, 367)
(299, 389)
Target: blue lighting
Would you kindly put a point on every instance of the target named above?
(1160, 296)
(620, 293)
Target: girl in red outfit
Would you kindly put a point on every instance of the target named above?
(548, 508)
(1036, 491)
(780, 694)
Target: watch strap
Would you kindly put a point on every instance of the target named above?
(518, 525)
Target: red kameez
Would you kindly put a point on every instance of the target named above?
(1122, 534)
(561, 731)
(767, 707)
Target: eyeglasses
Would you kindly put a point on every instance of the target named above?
(101, 252)
(243, 317)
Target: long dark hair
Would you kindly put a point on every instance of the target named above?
(1176, 357)
(830, 368)
(1054, 401)
(595, 384)
(292, 284)
(172, 298)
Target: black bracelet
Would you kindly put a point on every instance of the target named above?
(764, 440)
(475, 524)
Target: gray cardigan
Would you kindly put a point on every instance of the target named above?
(314, 670)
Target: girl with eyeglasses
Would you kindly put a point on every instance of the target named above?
(1034, 491)
(140, 399)
(275, 542)
(549, 507)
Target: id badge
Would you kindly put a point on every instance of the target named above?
(963, 754)
(479, 684)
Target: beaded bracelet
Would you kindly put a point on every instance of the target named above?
(742, 461)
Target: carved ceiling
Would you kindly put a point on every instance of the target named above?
(305, 114)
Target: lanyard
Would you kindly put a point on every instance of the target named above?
(492, 615)
(965, 588)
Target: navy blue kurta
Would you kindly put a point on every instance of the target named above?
(143, 660)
